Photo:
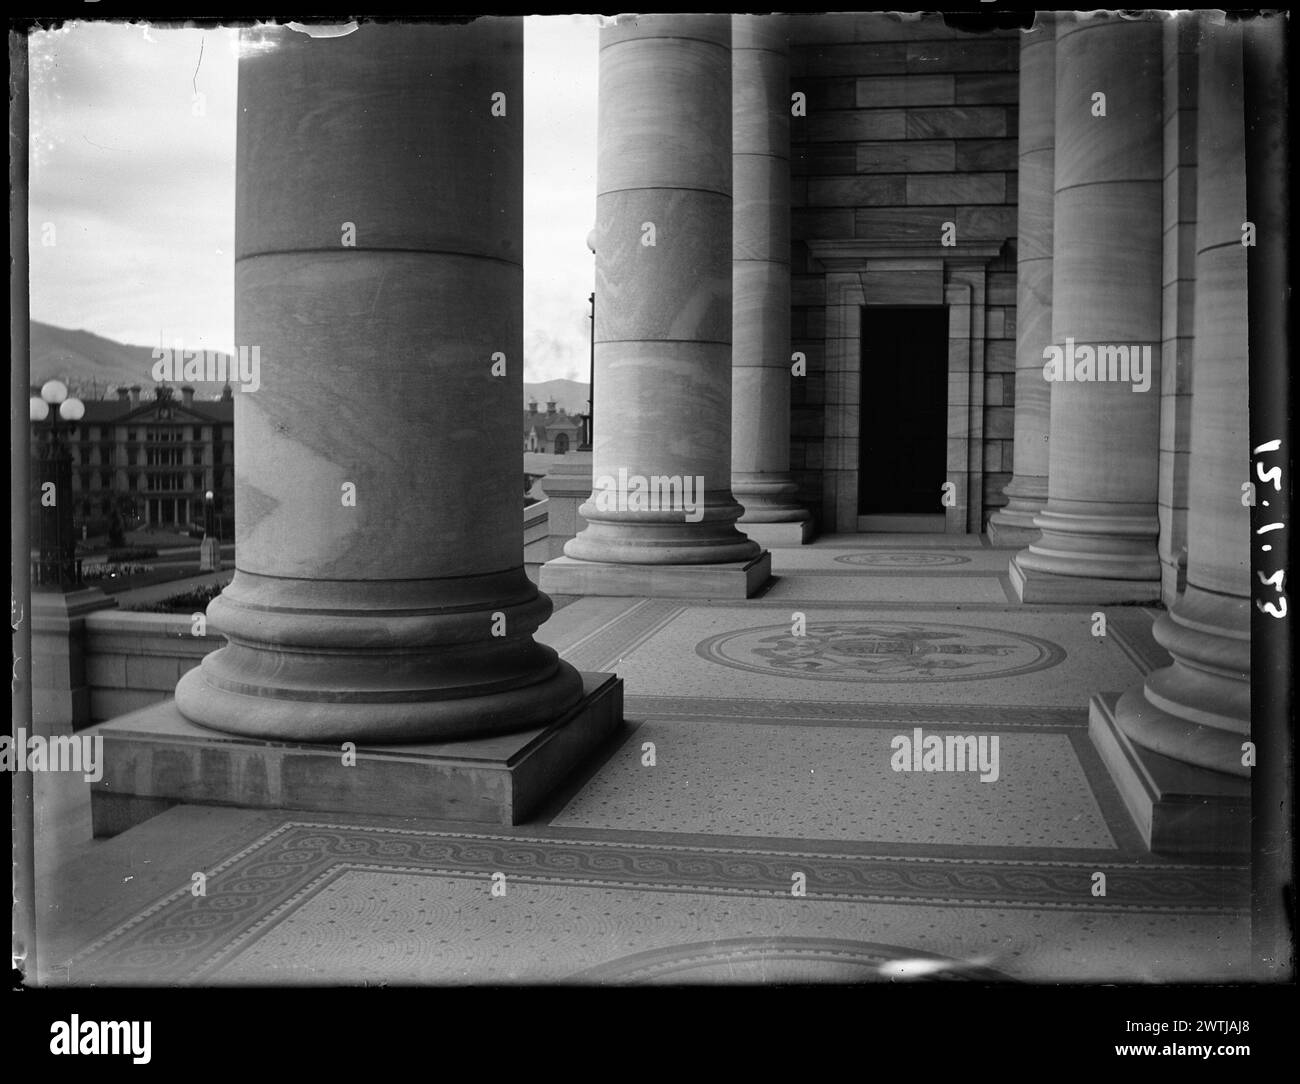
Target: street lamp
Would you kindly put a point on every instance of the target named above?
(57, 565)
(589, 422)
(210, 547)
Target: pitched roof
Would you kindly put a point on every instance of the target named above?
(99, 411)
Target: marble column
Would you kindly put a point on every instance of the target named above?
(760, 262)
(380, 593)
(662, 518)
(1026, 493)
(1099, 525)
(1196, 713)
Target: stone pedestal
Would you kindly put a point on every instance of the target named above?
(1178, 809)
(732, 579)
(1099, 525)
(60, 688)
(1013, 524)
(380, 594)
(1196, 713)
(662, 449)
(209, 555)
(567, 486)
(156, 758)
(760, 325)
(786, 533)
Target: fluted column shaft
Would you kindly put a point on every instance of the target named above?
(1099, 525)
(1198, 710)
(760, 325)
(663, 298)
(1027, 491)
(380, 592)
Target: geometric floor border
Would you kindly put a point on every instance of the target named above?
(181, 935)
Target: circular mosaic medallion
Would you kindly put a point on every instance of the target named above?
(875, 651)
(899, 559)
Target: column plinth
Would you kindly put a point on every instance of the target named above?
(662, 447)
(1099, 526)
(379, 593)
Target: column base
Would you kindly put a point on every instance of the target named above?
(1178, 809)
(1005, 535)
(778, 534)
(155, 758)
(734, 579)
(1013, 523)
(1034, 586)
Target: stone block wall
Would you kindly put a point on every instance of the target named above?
(910, 124)
(135, 659)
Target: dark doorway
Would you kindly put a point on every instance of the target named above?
(903, 435)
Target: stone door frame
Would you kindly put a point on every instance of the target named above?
(860, 273)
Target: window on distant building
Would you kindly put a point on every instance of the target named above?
(164, 457)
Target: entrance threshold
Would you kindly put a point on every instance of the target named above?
(903, 524)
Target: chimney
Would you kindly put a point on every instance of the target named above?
(187, 395)
(550, 406)
(227, 394)
(532, 406)
(123, 395)
(135, 394)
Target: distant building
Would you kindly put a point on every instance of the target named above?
(554, 431)
(156, 458)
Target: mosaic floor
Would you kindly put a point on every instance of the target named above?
(765, 815)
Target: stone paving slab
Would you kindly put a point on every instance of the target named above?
(837, 783)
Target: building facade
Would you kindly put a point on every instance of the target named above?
(153, 458)
(552, 431)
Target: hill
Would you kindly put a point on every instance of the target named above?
(569, 394)
(91, 364)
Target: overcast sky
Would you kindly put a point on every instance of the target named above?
(135, 176)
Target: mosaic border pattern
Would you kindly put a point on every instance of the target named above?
(180, 936)
(601, 648)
